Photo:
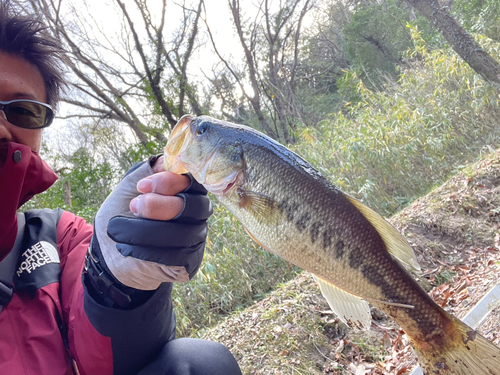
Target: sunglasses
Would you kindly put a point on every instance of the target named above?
(27, 114)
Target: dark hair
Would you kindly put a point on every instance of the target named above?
(27, 37)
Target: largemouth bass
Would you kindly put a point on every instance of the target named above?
(293, 211)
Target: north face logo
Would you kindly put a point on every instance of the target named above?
(38, 255)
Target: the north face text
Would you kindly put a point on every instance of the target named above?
(38, 255)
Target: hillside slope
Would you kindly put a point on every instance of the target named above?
(455, 231)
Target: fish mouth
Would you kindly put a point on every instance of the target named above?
(202, 174)
(224, 186)
(177, 142)
(228, 187)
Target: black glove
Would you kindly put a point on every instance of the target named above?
(142, 253)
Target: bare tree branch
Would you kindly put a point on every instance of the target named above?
(165, 109)
(255, 100)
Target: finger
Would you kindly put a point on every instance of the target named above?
(159, 166)
(164, 183)
(156, 206)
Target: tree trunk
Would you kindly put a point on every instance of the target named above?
(67, 193)
(255, 100)
(462, 42)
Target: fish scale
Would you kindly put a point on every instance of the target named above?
(294, 212)
(317, 232)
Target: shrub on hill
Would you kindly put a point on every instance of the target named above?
(389, 147)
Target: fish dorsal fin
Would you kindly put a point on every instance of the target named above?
(351, 310)
(396, 244)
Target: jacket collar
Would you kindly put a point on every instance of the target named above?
(23, 174)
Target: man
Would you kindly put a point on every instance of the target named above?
(80, 300)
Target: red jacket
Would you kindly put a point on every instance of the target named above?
(52, 323)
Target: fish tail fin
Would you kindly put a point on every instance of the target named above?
(466, 353)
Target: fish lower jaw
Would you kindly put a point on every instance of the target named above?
(174, 164)
(224, 187)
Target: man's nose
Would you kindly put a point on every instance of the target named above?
(5, 133)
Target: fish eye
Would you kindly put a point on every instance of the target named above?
(202, 128)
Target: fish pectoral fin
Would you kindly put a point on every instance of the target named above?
(258, 204)
(350, 309)
(394, 241)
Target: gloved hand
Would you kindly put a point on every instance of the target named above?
(164, 240)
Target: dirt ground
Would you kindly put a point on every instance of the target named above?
(455, 232)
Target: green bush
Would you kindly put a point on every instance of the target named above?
(90, 181)
(388, 147)
(479, 16)
(377, 38)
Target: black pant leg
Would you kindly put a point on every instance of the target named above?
(187, 356)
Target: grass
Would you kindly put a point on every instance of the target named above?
(282, 331)
(444, 277)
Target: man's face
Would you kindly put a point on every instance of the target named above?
(20, 80)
